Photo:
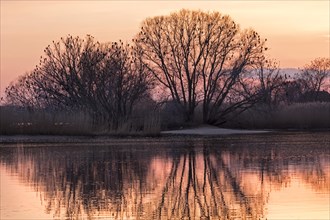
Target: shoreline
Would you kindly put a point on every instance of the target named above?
(171, 135)
(198, 132)
(193, 134)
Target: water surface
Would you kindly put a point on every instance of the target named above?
(268, 176)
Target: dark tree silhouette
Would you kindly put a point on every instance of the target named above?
(314, 76)
(270, 82)
(308, 85)
(199, 57)
(24, 93)
(104, 79)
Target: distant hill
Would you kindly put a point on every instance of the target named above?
(289, 71)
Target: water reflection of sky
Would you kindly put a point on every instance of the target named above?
(246, 178)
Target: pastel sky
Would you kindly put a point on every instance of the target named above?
(297, 31)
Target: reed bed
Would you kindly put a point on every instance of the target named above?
(24, 121)
(313, 115)
(15, 120)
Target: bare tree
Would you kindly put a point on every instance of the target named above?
(198, 57)
(270, 82)
(63, 76)
(314, 76)
(23, 92)
(104, 79)
(123, 80)
(291, 91)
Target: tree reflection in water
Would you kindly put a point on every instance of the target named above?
(203, 185)
(199, 180)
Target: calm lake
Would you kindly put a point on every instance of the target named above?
(265, 176)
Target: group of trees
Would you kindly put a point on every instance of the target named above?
(313, 80)
(192, 57)
(309, 84)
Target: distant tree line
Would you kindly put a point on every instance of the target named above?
(191, 58)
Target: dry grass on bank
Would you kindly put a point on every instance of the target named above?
(22, 121)
(315, 115)
(146, 123)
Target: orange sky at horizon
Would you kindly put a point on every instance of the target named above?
(297, 31)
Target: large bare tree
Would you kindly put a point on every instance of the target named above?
(104, 79)
(198, 57)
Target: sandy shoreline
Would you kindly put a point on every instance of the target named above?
(212, 130)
